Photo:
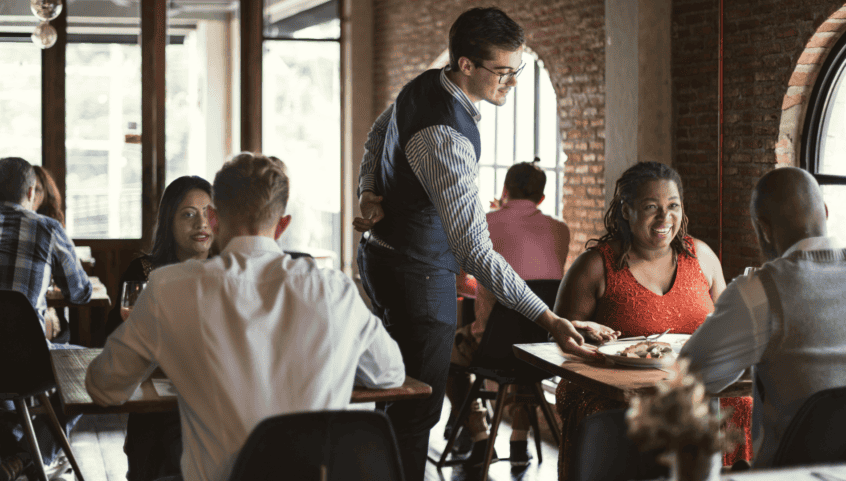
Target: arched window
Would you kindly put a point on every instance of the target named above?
(824, 147)
(524, 128)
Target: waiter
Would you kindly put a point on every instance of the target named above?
(421, 206)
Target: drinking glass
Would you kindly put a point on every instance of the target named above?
(750, 270)
(131, 291)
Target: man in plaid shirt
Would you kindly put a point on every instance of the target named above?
(33, 249)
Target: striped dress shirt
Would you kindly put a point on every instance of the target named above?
(33, 249)
(445, 163)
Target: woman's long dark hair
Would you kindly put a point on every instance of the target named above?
(617, 228)
(163, 251)
(51, 206)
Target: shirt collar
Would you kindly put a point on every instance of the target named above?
(11, 205)
(521, 204)
(459, 94)
(814, 244)
(250, 244)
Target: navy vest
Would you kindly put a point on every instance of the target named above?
(411, 224)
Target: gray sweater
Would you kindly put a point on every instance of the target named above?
(806, 292)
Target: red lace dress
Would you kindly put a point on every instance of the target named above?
(634, 310)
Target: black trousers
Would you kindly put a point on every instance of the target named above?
(417, 303)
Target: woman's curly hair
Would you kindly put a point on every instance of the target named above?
(625, 191)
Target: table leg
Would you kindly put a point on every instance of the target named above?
(84, 325)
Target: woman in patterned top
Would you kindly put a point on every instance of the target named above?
(154, 441)
(644, 276)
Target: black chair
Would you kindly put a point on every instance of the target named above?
(604, 451)
(817, 433)
(297, 255)
(321, 445)
(26, 372)
(495, 360)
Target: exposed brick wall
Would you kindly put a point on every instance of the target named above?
(764, 40)
(566, 34)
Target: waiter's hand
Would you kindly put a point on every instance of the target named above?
(371, 211)
(597, 332)
(565, 334)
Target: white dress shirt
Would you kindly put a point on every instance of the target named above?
(244, 336)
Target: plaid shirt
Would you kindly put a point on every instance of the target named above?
(34, 248)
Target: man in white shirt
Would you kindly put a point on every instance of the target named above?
(786, 319)
(249, 334)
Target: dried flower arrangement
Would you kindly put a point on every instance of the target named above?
(677, 420)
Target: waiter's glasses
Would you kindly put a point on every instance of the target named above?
(504, 78)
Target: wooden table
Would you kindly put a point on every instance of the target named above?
(69, 366)
(81, 313)
(610, 380)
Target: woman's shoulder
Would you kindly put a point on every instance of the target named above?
(139, 269)
(591, 262)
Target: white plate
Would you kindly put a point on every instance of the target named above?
(612, 350)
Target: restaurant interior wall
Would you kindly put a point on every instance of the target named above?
(763, 42)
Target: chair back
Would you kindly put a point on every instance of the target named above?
(321, 445)
(24, 356)
(817, 433)
(507, 327)
(604, 451)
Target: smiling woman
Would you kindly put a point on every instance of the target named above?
(644, 276)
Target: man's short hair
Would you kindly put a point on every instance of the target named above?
(525, 181)
(251, 189)
(16, 176)
(476, 31)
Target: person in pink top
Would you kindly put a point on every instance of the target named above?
(536, 246)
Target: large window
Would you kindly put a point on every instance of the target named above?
(523, 129)
(825, 137)
(20, 99)
(103, 183)
(301, 95)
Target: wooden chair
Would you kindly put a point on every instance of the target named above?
(604, 451)
(817, 433)
(495, 360)
(321, 445)
(26, 372)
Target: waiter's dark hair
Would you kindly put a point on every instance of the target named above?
(626, 191)
(16, 176)
(477, 30)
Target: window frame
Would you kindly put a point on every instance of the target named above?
(832, 69)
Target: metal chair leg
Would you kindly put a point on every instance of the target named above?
(459, 420)
(531, 411)
(547, 413)
(500, 408)
(60, 434)
(29, 432)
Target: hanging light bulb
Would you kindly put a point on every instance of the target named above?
(44, 35)
(46, 9)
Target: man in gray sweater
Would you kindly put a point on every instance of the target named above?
(786, 319)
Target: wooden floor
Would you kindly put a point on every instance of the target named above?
(97, 442)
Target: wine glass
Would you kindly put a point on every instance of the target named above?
(131, 291)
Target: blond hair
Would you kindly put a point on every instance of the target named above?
(251, 189)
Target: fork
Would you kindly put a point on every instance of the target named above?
(659, 335)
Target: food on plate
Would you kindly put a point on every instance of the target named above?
(648, 350)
